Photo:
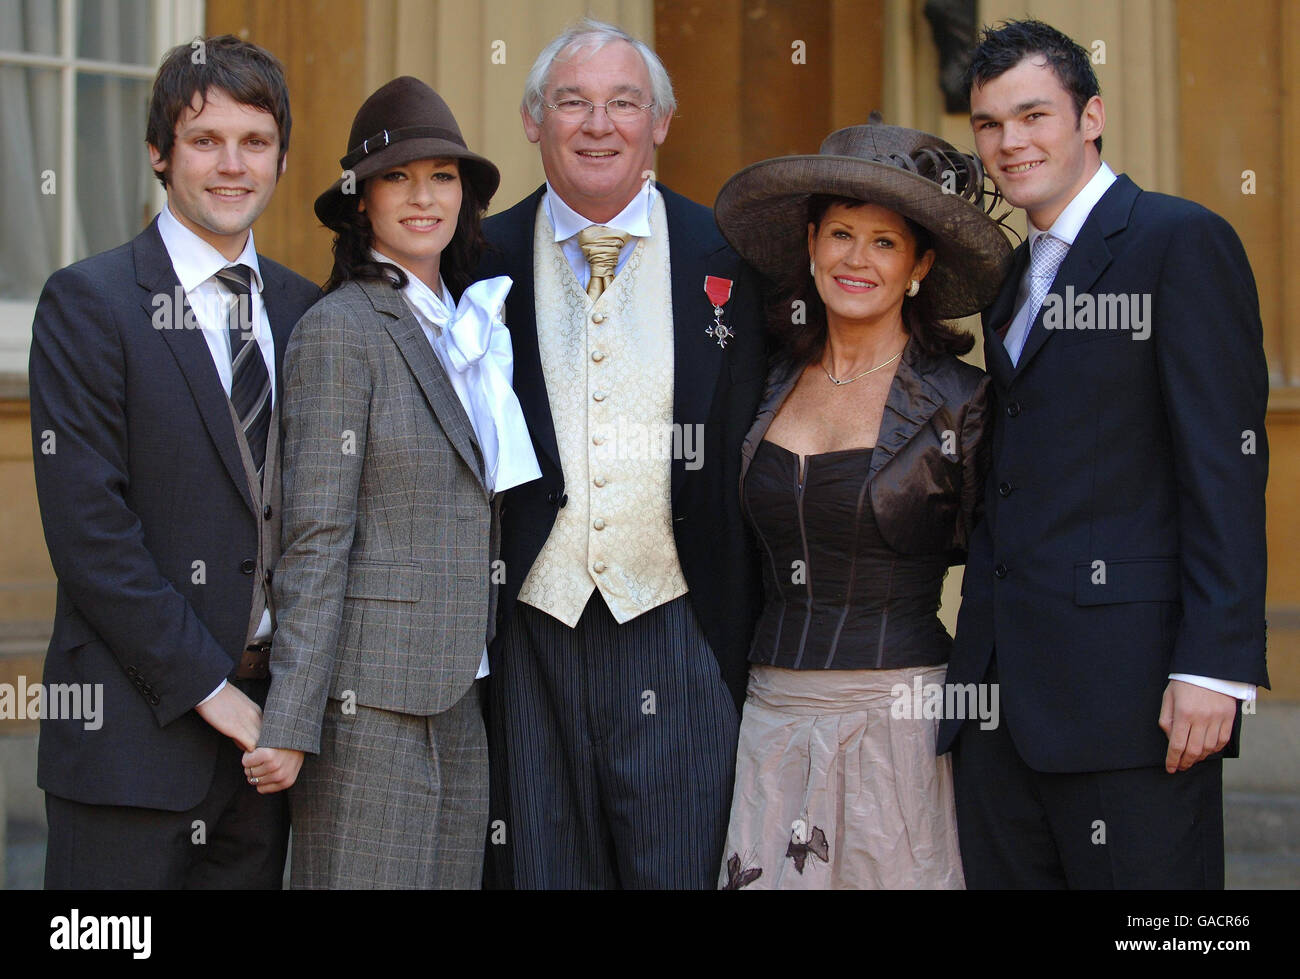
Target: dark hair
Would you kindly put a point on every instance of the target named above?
(1003, 47)
(354, 237)
(802, 343)
(248, 74)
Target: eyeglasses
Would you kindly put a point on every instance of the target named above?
(618, 110)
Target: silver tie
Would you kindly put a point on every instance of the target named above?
(1048, 253)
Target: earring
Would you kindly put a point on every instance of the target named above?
(914, 288)
(812, 267)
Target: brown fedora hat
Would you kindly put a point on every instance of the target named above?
(763, 209)
(402, 121)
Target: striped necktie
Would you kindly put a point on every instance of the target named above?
(250, 385)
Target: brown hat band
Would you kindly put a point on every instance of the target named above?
(386, 136)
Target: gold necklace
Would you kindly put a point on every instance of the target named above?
(849, 380)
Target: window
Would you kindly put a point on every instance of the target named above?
(75, 78)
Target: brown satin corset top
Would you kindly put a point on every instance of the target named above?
(836, 596)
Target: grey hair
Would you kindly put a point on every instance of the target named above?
(592, 35)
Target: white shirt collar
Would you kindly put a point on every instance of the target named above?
(633, 219)
(1068, 222)
(435, 306)
(196, 261)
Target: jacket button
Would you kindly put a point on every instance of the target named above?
(153, 699)
(598, 318)
(248, 566)
(598, 567)
(132, 671)
(599, 481)
(597, 356)
(1004, 489)
(1000, 571)
(564, 500)
(269, 576)
(266, 511)
(598, 396)
(598, 523)
(1013, 409)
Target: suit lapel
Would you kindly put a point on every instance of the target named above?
(1087, 258)
(998, 315)
(414, 346)
(156, 277)
(515, 246)
(276, 306)
(697, 358)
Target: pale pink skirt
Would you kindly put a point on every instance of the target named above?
(833, 791)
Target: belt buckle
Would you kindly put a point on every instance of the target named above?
(255, 663)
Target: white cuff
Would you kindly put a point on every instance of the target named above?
(1233, 688)
(211, 695)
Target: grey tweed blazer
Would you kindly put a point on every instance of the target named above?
(383, 592)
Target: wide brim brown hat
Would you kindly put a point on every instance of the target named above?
(402, 121)
(763, 210)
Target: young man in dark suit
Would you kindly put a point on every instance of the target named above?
(154, 379)
(630, 587)
(1115, 588)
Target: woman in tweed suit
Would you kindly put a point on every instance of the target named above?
(399, 424)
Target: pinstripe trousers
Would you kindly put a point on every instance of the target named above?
(613, 751)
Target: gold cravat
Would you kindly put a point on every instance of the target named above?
(601, 247)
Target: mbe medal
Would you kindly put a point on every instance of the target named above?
(719, 292)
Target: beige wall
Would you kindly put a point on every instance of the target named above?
(26, 578)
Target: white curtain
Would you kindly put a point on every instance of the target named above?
(113, 178)
(113, 175)
(29, 145)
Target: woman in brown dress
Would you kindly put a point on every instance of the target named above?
(861, 478)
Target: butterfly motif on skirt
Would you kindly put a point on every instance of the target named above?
(738, 878)
(816, 845)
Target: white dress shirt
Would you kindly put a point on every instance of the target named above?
(421, 299)
(196, 264)
(1066, 227)
(633, 219)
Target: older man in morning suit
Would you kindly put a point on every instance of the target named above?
(630, 590)
(155, 375)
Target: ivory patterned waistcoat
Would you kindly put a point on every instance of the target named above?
(609, 377)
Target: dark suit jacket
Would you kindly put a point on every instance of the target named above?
(1123, 537)
(149, 520)
(717, 388)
